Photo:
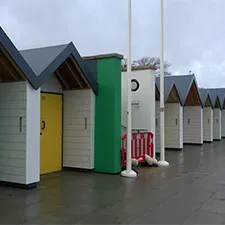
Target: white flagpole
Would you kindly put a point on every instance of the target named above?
(129, 172)
(162, 161)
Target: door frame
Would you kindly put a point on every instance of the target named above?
(53, 93)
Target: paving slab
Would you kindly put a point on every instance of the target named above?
(202, 217)
(190, 191)
(215, 206)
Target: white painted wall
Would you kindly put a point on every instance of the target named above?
(52, 85)
(92, 128)
(33, 135)
(217, 124)
(182, 122)
(173, 125)
(157, 126)
(193, 130)
(123, 130)
(12, 141)
(207, 124)
(19, 148)
(223, 123)
(144, 117)
(78, 140)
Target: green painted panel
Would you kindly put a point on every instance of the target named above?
(108, 116)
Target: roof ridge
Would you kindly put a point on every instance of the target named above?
(43, 47)
(182, 75)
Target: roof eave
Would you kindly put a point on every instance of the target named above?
(18, 58)
(69, 50)
(194, 81)
(166, 95)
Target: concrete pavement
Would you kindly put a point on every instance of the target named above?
(190, 191)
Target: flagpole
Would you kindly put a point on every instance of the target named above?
(129, 172)
(162, 161)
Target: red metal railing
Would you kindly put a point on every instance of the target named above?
(141, 144)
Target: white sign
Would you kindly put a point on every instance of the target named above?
(134, 85)
(135, 105)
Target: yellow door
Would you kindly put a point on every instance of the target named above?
(51, 133)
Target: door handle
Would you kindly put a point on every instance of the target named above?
(85, 123)
(42, 124)
(188, 121)
(20, 122)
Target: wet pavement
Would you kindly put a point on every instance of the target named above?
(190, 191)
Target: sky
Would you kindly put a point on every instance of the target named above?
(194, 31)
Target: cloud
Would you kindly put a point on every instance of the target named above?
(194, 30)
(194, 39)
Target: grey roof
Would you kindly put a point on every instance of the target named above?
(204, 93)
(40, 58)
(221, 95)
(50, 58)
(183, 84)
(39, 64)
(168, 85)
(215, 93)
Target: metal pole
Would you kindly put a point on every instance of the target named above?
(129, 172)
(162, 161)
(129, 128)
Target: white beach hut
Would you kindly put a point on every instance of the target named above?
(207, 115)
(173, 115)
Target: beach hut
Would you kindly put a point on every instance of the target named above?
(53, 115)
(214, 94)
(192, 109)
(207, 115)
(173, 115)
(221, 92)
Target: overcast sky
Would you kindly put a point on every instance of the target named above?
(194, 30)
